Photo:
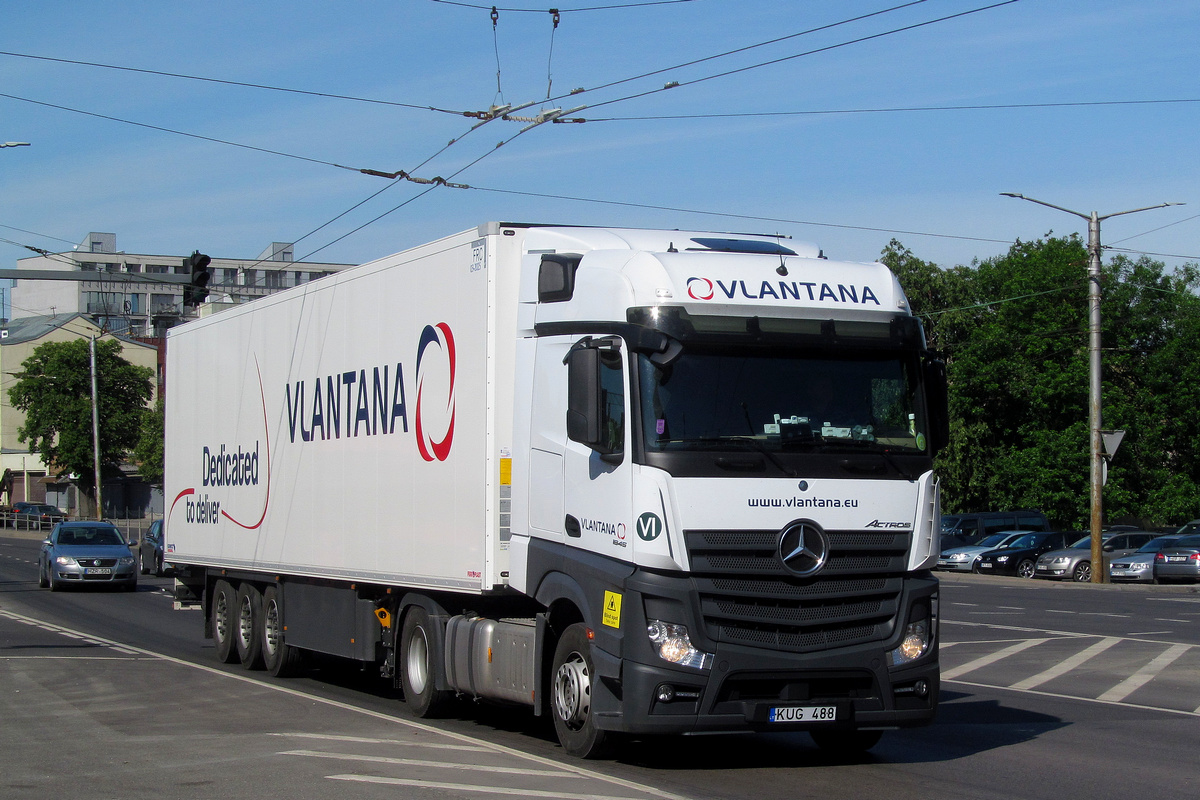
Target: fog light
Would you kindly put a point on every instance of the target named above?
(675, 646)
(666, 693)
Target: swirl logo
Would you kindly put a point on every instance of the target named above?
(435, 381)
(700, 288)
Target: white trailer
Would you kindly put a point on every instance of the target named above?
(642, 481)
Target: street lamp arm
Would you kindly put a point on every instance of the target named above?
(1050, 205)
(1133, 211)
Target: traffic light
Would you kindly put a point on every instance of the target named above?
(196, 290)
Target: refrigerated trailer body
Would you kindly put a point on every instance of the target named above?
(642, 481)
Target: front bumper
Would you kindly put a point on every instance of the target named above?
(641, 693)
(77, 574)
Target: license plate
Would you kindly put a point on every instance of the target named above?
(985, 565)
(97, 571)
(1042, 568)
(1176, 558)
(803, 714)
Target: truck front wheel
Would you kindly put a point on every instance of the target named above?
(224, 604)
(573, 675)
(419, 670)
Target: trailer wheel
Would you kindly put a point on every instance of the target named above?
(419, 669)
(846, 743)
(224, 605)
(248, 630)
(279, 657)
(574, 674)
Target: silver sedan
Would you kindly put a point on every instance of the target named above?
(966, 559)
(78, 553)
(1138, 567)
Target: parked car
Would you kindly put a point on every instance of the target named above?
(1075, 562)
(81, 552)
(1189, 527)
(1138, 567)
(960, 530)
(1179, 561)
(1020, 557)
(41, 516)
(150, 550)
(966, 558)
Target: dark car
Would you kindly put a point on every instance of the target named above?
(1179, 561)
(150, 550)
(78, 553)
(41, 516)
(1020, 557)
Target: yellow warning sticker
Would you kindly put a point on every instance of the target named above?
(612, 610)
(506, 472)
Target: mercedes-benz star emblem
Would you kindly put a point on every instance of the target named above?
(803, 548)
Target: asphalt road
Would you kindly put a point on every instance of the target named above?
(1050, 691)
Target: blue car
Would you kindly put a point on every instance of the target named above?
(94, 553)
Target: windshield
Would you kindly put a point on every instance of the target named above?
(90, 536)
(1028, 540)
(780, 400)
(993, 540)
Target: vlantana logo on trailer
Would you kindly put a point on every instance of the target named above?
(435, 392)
(362, 401)
(782, 291)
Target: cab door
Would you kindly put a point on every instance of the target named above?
(597, 464)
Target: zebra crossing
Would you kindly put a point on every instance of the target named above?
(1130, 670)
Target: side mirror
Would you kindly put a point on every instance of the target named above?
(589, 422)
(583, 396)
(937, 399)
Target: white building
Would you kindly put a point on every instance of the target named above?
(124, 298)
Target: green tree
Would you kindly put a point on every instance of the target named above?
(1013, 331)
(54, 389)
(149, 450)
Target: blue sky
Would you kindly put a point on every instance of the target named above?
(743, 147)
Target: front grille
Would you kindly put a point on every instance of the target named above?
(97, 562)
(747, 597)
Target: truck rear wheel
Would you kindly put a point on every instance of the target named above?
(279, 657)
(574, 674)
(248, 631)
(224, 604)
(419, 668)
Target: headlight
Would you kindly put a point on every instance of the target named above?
(1060, 560)
(1001, 559)
(66, 561)
(675, 646)
(125, 561)
(918, 637)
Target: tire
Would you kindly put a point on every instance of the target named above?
(158, 565)
(846, 743)
(1082, 572)
(224, 620)
(54, 583)
(279, 658)
(420, 669)
(43, 581)
(573, 674)
(975, 566)
(1026, 568)
(247, 630)
(142, 568)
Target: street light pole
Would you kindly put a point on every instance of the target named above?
(1094, 415)
(96, 434)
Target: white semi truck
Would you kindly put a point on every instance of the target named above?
(642, 481)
